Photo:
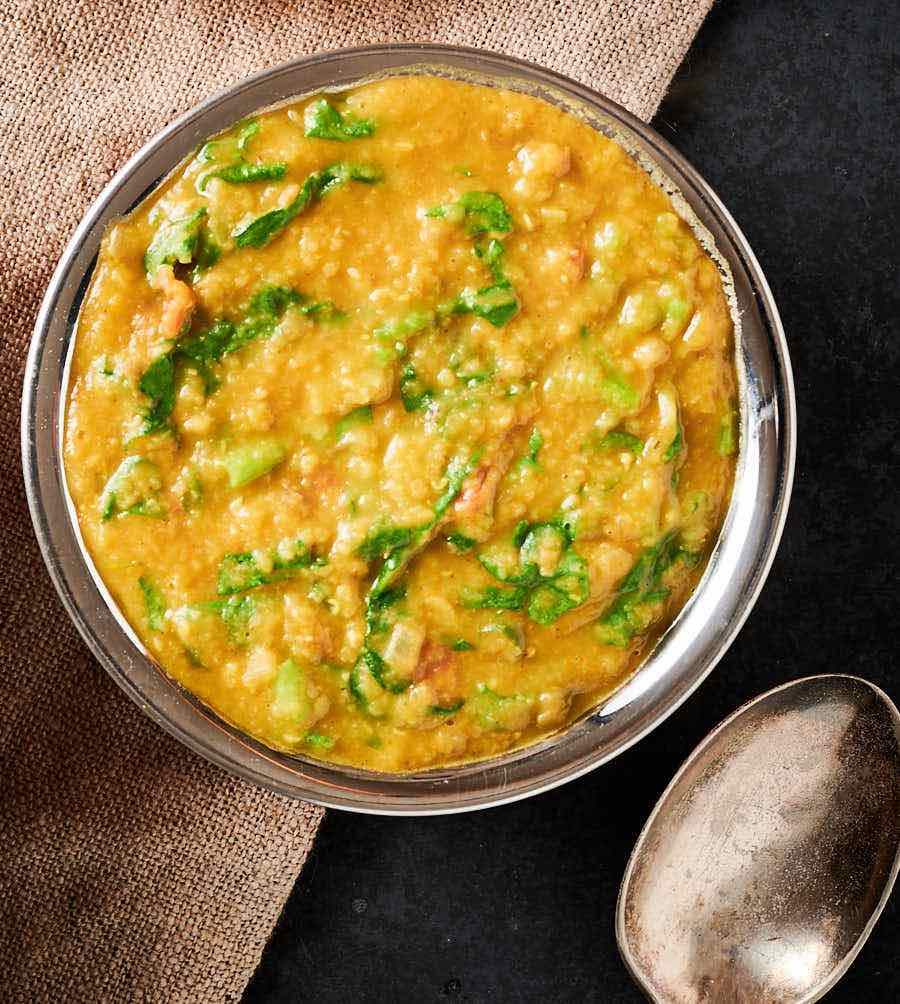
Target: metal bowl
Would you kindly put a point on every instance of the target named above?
(682, 657)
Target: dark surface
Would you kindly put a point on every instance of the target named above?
(790, 111)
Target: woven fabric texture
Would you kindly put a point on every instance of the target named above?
(132, 870)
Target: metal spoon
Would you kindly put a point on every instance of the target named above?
(765, 864)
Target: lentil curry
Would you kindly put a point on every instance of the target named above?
(401, 420)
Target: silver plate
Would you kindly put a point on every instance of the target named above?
(681, 659)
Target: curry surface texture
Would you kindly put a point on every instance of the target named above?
(402, 420)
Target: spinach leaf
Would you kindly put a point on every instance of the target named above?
(549, 595)
(494, 598)
(258, 232)
(414, 394)
(241, 172)
(174, 243)
(535, 442)
(676, 446)
(323, 121)
(206, 254)
(483, 212)
(158, 383)
(132, 490)
(497, 303)
(726, 442)
(492, 254)
(381, 540)
(352, 420)
(620, 440)
(205, 347)
(376, 622)
(241, 571)
(446, 709)
(154, 604)
(626, 616)
(460, 542)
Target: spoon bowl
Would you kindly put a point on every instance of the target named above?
(765, 864)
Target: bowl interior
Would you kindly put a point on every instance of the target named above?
(682, 657)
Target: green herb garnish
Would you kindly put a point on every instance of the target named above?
(257, 233)
(241, 173)
(414, 394)
(621, 441)
(446, 709)
(132, 490)
(154, 604)
(353, 420)
(322, 120)
(726, 442)
(627, 615)
(174, 243)
(241, 571)
(483, 212)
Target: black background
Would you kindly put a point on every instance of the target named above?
(790, 111)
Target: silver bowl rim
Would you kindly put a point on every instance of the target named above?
(491, 782)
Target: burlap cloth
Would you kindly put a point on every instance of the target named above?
(132, 870)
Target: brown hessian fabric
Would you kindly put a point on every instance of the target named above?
(130, 869)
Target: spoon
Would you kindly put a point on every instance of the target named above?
(764, 866)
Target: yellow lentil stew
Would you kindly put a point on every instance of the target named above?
(402, 420)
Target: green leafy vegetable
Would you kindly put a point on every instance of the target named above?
(158, 383)
(520, 532)
(621, 441)
(535, 442)
(497, 712)
(174, 243)
(249, 461)
(675, 447)
(241, 571)
(231, 143)
(727, 439)
(397, 546)
(414, 394)
(446, 709)
(237, 171)
(548, 594)
(206, 254)
(627, 615)
(132, 490)
(353, 420)
(289, 697)
(377, 606)
(460, 542)
(154, 604)
(323, 310)
(323, 121)
(203, 348)
(237, 613)
(461, 645)
(614, 387)
(240, 173)
(494, 598)
(492, 254)
(247, 129)
(192, 496)
(393, 335)
(371, 662)
(258, 232)
(457, 472)
(319, 740)
(383, 539)
(483, 212)
(497, 303)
